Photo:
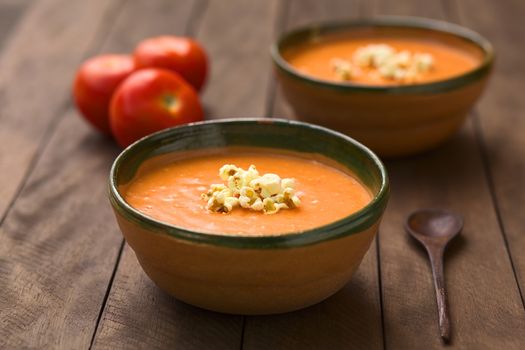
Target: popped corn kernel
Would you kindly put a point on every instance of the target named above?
(288, 183)
(343, 68)
(230, 203)
(290, 198)
(227, 170)
(373, 55)
(234, 183)
(269, 206)
(403, 59)
(213, 188)
(246, 202)
(388, 70)
(249, 175)
(248, 192)
(258, 205)
(247, 189)
(267, 185)
(423, 61)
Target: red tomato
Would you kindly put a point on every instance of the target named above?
(150, 100)
(182, 55)
(95, 82)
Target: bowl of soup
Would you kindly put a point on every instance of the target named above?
(249, 260)
(399, 85)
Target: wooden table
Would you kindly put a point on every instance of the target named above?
(68, 281)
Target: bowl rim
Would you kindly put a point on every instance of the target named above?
(353, 223)
(407, 22)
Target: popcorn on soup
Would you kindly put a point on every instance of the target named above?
(249, 190)
(382, 60)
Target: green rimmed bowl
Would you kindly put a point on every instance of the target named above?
(392, 120)
(251, 275)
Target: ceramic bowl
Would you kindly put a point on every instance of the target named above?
(391, 120)
(251, 275)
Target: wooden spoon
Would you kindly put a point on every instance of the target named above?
(434, 228)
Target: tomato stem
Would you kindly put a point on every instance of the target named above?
(171, 102)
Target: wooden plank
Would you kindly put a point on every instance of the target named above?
(501, 116)
(10, 13)
(351, 319)
(36, 70)
(430, 9)
(237, 36)
(485, 304)
(58, 245)
(57, 262)
(42, 304)
(52, 276)
(485, 307)
(138, 314)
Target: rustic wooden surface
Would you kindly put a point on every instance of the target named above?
(68, 281)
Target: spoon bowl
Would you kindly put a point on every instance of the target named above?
(434, 223)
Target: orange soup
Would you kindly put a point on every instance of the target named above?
(316, 58)
(169, 188)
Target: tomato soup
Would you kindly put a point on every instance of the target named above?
(169, 188)
(316, 58)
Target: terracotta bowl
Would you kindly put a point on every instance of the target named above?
(391, 120)
(251, 275)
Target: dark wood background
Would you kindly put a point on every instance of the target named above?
(68, 281)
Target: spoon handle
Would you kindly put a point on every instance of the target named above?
(436, 260)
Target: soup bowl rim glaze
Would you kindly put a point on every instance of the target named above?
(353, 223)
(401, 22)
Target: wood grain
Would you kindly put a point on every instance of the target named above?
(351, 319)
(57, 250)
(138, 314)
(57, 262)
(485, 304)
(59, 244)
(35, 79)
(10, 12)
(501, 117)
(53, 275)
(237, 36)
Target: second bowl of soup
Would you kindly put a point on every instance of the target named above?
(400, 85)
(249, 216)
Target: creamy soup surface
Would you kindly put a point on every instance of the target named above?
(170, 191)
(314, 58)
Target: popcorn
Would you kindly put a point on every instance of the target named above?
(402, 59)
(402, 66)
(388, 70)
(258, 205)
(423, 61)
(230, 203)
(247, 189)
(288, 183)
(373, 55)
(219, 198)
(343, 69)
(227, 170)
(269, 206)
(267, 185)
(246, 202)
(247, 197)
(290, 198)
